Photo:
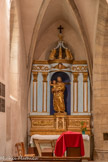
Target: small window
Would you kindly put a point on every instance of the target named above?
(2, 90)
(2, 97)
(105, 136)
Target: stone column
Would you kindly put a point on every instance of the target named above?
(44, 104)
(85, 92)
(75, 92)
(35, 91)
(100, 85)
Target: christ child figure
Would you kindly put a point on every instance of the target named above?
(53, 84)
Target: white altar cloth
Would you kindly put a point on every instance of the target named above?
(52, 137)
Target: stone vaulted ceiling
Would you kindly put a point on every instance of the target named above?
(40, 19)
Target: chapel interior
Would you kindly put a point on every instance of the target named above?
(53, 75)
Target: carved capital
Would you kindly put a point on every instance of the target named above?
(85, 77)
(75, 77)
(45, 74)
(35, 74)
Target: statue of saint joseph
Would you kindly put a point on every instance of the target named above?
(58, 89)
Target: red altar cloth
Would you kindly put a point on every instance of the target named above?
(69, 139)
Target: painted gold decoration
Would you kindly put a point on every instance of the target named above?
(45, 62)
(79, 62)
(40, 68)
(85, 77)
(68, 55)
(77, 122)
(58, 95)
(56, 124)
(75, 92)
(75, 77)
(79, 68)
(60, 123)
(35, 74)
(61, 120)
(52, 54)
(60, 66)
(45, 74)
(43, 123)
(60, 53)
(40, 62)
(60, 37)
(60, 61)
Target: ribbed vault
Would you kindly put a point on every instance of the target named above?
(41, 22)
(53, 13)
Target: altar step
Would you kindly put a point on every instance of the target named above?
(53, 160)
(49, 159)
(71, 154)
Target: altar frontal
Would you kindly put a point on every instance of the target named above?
(60, 93)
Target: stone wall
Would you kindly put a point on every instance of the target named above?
(4, 66)
(13, 73)
(100, 84)
(17, 79)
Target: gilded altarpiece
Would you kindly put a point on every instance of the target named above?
(60, 61)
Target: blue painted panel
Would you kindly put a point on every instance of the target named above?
(48, 94)
(89, 95)
(80, 92)
(40, 90)
(31, 92)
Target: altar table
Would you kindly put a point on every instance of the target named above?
(52, 137)
(40, 139)
(43, 137)
(69, 139)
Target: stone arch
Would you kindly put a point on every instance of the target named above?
(38, 25)
(35, 33)
(84, 36)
